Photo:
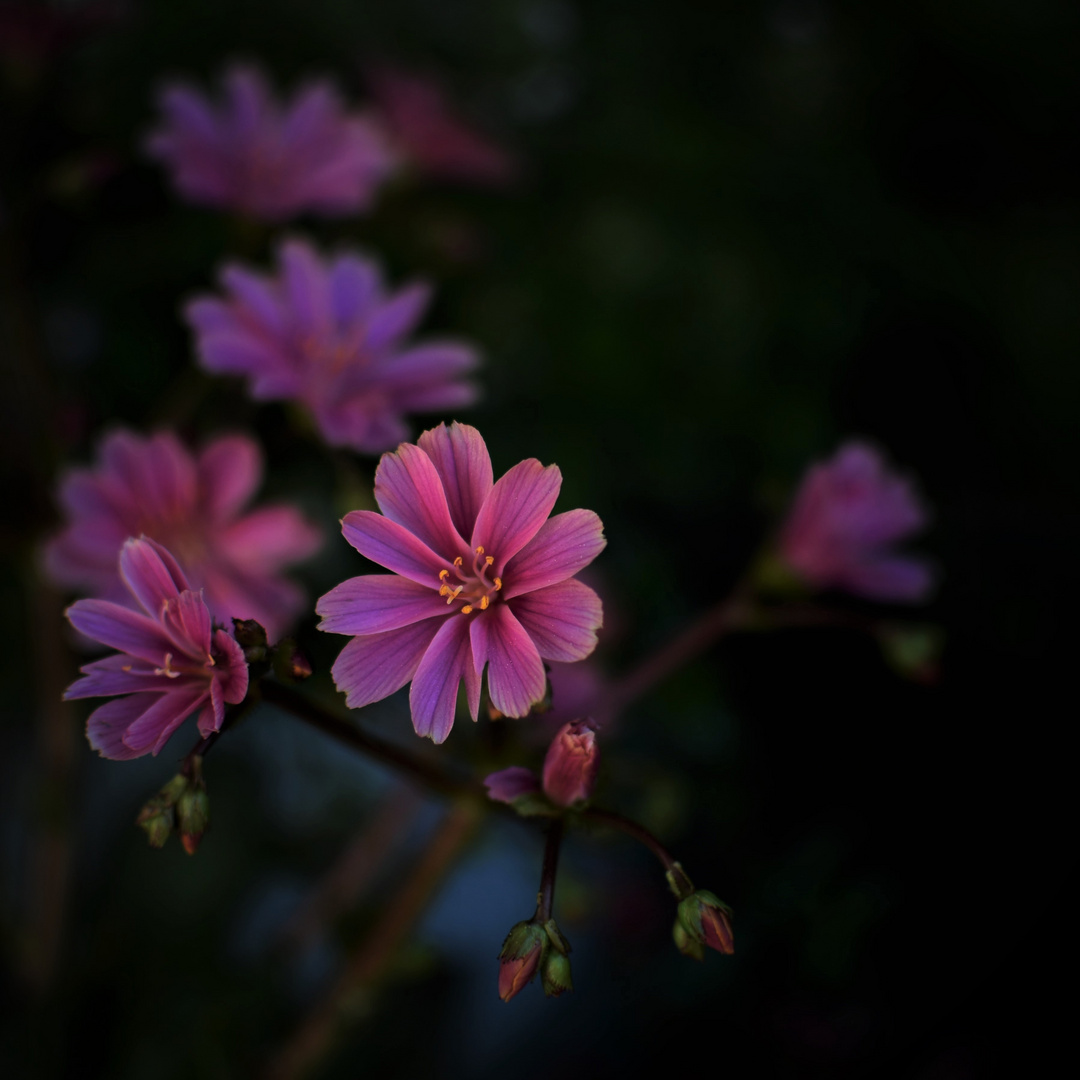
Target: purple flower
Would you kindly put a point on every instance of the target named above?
(428, 132)
(504, 598)
(266, 160)
(570, 768)
(155, 487)
(847, 514)
(171, 660)
(328, 334)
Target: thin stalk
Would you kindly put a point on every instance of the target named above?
(545, 898)
(633, 829)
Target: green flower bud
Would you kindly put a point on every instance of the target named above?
(555, 974)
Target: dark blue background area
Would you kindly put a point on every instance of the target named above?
(743, 234)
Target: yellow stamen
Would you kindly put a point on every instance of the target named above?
(444, 590)
(452, 594)
(458, 561)
(466, 609)
(484, 601)
(480, 550)
(489, 559)
(126, 667)
(498, 584)
(444, 574)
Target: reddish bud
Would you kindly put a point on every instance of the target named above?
(707, 921)
(571, 763)
(520, 957)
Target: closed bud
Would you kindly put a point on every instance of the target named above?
(555, 975)
(192, 816)
(519, 958)
(685, 943)
(707, 921)
(157, 818)
(251, 637)
(571, 763)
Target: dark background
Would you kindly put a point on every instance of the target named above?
(743, 233)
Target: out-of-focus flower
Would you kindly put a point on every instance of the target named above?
(329, 334)
(264, 159)
(506, 785)
(506, 598)
(520, 957)
(846, 516)
(428, 133)
(571, 763)
(154, 486)
(171, 661)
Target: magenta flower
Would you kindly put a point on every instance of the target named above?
(171, 661)
(505, 598)
(847, 514)
(269, 161)
(329, 335)
(570, 768)
(193, 504)
(427, 131)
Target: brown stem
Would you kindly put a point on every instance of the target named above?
(545, 898)
(632, 828)
(317, 1034)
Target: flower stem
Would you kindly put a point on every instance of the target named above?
(545, 898)
(638, 832)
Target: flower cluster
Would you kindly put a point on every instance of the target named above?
(171, 661)
(192, 504)
(328, 334)
(269, 161)
(504, 599)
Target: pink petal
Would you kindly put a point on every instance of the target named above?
(152, 729)
(307, 289)
(213, 712)
(147, 576)
(187, 622)
(392, 545)
(269, 538)
(562, 619)
(118, 674)
(461, 459)
(374, 667)
(515, 508)
(257, 297)
(120, 628)
(376, 603)
(433, 696)
(230, 471)
(506, 785)
(106, 725)
(397, 317)
(354, 284)
(231, 672)
(409, 491)
(516, 679)
(564, 545)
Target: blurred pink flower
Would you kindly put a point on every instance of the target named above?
(329, 334)
(171, 661)
(267, 160)
(847, 514)
(428, 132)
(505, 598)
(154, 486)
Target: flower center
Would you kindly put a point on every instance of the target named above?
(472, 585)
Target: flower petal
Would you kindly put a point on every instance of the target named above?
(433, 696)
(106, 725)
(117, 674)
(395, 318)
(516, 679)
(562, 619)
(268, 538)
(306, 287)
(152, 729)
(409, 491)
(392, 545)
(374, 667)
(904, 579)
(564, 545)
(506, 785)
(230, 471)
(231, 671)
(461, 459)
(187, 622)
(375, 603)
(150, 579)
(515, 508)
(120, 628)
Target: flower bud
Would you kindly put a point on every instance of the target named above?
(251, 637)
(157, 818)
(192, 816)
(555, 974)
(571, 763)
(520, 957)
(707, 921)
(685, 943)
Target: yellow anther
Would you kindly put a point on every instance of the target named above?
(444, 574)
(484, 601)
(498, 584)
(166, 670)
(480, 550)
(444, 590)
(458, 561)
(452, 594)
(489, 559)
(466, 609)
(126, 667)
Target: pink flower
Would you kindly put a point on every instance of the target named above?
(505, 598)
(847, 514)
(429, 133)
(171, 661)
(266, 160)
(328, 334)
(570, 768)
(155, 487)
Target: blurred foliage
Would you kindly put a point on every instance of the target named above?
(744, 233)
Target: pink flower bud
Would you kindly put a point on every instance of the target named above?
(571, 763)
(519, 958)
